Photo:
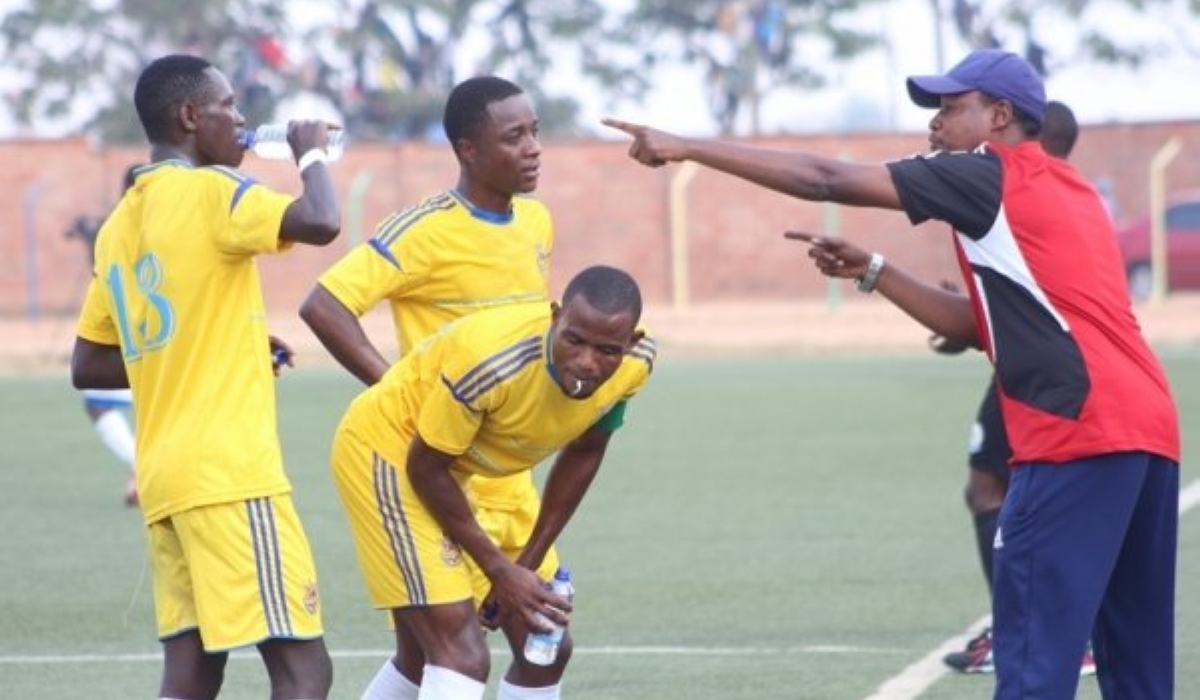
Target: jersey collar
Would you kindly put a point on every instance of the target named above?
(492, 217)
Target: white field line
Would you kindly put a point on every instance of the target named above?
(915, 679)
(1189, 496)
(910, 683)
(907, 685)
(156, 657)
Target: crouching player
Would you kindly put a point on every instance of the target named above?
(490, 395)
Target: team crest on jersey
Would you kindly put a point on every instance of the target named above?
(312, 599)
(451, 552)
(543, 260)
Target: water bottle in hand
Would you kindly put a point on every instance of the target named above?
(270, 141)
(541, 648)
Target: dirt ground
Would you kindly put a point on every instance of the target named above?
(848, 325)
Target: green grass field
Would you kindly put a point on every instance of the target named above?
(788, 529)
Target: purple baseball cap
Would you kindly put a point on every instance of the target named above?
(1002, 75)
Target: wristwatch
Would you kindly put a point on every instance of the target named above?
(866, 283)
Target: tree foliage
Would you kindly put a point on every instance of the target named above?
(404, 55)
(385, 65)
(742, 49)
(1083, 30)
(78, 56)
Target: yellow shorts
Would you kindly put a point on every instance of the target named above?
(405, 557)
(239, 572)
(508, 526)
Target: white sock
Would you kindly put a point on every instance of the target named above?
(115, 433)
(508, 691)
(443, 684)
(390, 684)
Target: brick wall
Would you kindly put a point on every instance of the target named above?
(607, 209)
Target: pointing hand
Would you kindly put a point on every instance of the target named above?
(650, 146)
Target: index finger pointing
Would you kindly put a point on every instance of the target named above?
(627, 127)
(802, 236)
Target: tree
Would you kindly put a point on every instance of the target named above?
(386, 65)
(404, 55)
(1079, 34)
(739, 46)
(77, 60)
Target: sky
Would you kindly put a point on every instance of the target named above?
(869, 93)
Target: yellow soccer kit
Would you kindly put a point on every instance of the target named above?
(176, 286)
(444, 259)
(253, 585)
(439, 261)
(481, 389)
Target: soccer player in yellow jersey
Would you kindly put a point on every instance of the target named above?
(490, 395)
(479, 245)
(175, 312)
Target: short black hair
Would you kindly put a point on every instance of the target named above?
(163, 85)
(606, 289)
(466, 108)
(1059, 129)
(1030, 126)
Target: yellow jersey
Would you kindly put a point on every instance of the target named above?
(483, 389)
(444, 259)
(177, 287)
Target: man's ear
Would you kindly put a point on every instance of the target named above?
(466, 151)
(1003, 115)
(189, 117)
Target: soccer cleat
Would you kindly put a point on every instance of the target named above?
(976, 658)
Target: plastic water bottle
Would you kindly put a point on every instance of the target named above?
(541, 648)
(270, 141)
